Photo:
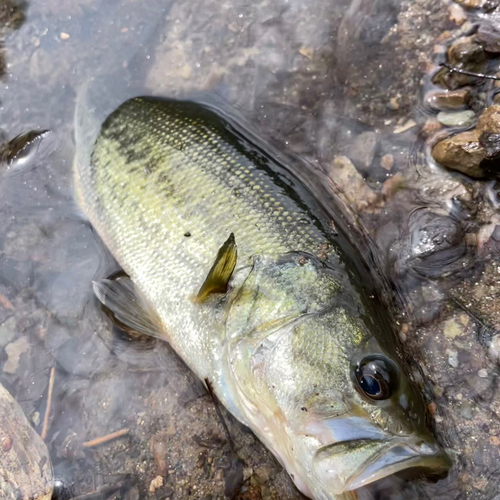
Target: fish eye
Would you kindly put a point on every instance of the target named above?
(376, 377)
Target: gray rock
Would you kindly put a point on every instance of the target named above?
(362, 151)
(467, 410)
(14, 352)
(457, 119)
(7, 331)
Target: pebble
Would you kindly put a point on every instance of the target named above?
(457, 119)
(387, 162)
(156, 483)
(7, 331)
(452, 329)
(449, 99)
(483, 373)
(457, 14)
(465, 53)
(494, 349)
(351, 182)
(453, 358)
(362, 151)
(393, 103)
(64, 36)
(467, 410)
(489, 121)
(471, 4)
(35, 418)
(14, 352)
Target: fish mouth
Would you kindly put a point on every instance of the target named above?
(339, 469)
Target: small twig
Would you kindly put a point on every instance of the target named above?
(452, 69)
(45, 427)
(105, 439)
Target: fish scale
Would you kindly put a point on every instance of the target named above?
(168, 186)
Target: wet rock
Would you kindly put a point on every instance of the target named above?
(452, 358)
(467, 410)
(387, 162)
(430, 127)
(489, 36)
(435, 245)
(461, 152)
(471, 4)
(470, 152)
(494, 349)
(14, 352)
(457, 14)
(491, 144)
(482, 373)
(467, 54)
(362, 151)
(457, 119)
(156, 483)
(452, 329)
(489, 121)
(7, 331)
(351, 182)
(449, 99)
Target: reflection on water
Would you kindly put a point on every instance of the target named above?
(338, 83)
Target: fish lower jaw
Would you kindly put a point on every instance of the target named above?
(347, 466)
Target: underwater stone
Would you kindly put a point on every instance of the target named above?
(467, 410)
(362, 151)
(449, 99)
(7, 331)
(461, 152)
(467, 54)
(489, 121)
(466, 151)
(14, 352)
(357, 192)
(457, 119)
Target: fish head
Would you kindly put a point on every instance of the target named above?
(311, 379)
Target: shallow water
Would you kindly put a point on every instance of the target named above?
(319, 79)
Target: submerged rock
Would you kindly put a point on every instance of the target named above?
(457, 118)
(449, 99)
(461, 152)
(489, 36)
(467, 54)
(351, 182)
(473, 152)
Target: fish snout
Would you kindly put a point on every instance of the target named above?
(355, 462)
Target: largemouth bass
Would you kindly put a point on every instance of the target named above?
(234, 263)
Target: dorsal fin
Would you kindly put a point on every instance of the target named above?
(220, 273)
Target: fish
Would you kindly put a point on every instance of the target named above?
(236, 264)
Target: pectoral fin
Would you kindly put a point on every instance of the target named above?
(219, 275)
(127, 307)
